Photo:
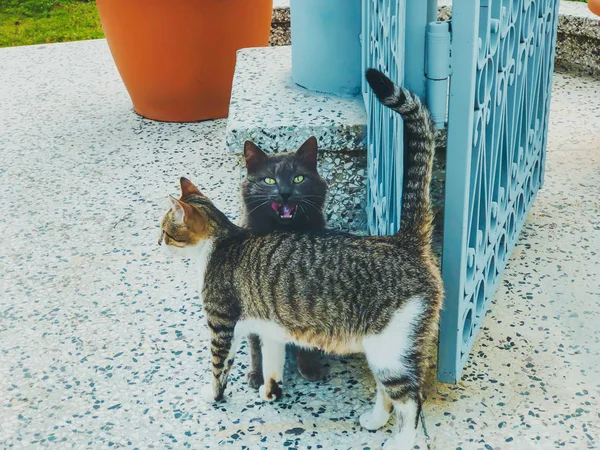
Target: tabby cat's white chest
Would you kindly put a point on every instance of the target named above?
(201, 258)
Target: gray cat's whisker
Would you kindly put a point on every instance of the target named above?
(262, 204)
(322, 197)
(309, 203)
(249, 202)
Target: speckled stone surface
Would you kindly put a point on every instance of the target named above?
(268, 108)
(281, 4)
(103, 342)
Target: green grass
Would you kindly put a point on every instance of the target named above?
(27, 22)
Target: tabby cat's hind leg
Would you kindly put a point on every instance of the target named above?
(380, 414)
(273, 353)
(404, 396)
(394, 357)
(407, 419)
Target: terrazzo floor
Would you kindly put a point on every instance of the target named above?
(102, 342)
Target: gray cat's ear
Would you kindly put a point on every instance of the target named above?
(307, 152)
(255, 157)
(178, 209)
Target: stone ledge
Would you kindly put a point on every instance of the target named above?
(280, 27)
(268, 108)
(578, 40)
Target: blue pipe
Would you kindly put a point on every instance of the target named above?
(326, 51)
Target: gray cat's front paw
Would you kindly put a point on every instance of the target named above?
(255, 379)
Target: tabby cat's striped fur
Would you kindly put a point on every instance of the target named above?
(327, 290)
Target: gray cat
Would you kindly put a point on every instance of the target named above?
(377, 295)
(283, 191)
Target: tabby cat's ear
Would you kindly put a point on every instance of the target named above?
(255, 157)
(307, 152)
(188, 188)
(180, 209)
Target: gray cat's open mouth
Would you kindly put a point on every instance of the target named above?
(286, 211)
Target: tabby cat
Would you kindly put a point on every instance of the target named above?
(283, 192)
(347, 294)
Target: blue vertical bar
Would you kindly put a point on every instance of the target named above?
(548, 99)
(418, 14)
(326, 53)
(437, 70)
(465, 41)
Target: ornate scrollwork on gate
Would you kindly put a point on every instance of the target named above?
(383, 48)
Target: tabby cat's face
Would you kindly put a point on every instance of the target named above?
(285, 187)
(186, 224)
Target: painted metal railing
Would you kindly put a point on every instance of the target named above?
(502, 54)
(383, 48)
(502, 63)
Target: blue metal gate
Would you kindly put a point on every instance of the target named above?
(502, 63)
(502, 58)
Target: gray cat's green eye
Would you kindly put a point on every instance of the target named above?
(299, 179)
(270, 181)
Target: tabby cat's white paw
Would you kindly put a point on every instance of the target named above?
(208, 393)
(373, 421)
(401, 441)
(262, 392)
(393, 444)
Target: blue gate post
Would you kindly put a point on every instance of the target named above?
(502, 54)
(460, 137)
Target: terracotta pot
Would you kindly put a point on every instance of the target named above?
(177, 57)
(594, 6)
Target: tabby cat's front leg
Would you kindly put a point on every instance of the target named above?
(223, 346)
(273, 353)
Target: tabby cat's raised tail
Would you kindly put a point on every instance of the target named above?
(419, 139)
